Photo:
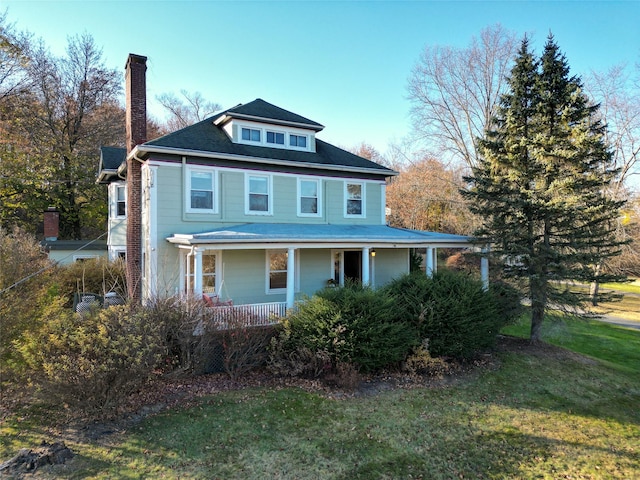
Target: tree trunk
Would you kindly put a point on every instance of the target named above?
(538, 292)
(595, 287)
(537, 316)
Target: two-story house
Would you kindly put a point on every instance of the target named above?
(250, 205)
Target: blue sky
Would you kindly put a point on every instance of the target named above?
(342, 64)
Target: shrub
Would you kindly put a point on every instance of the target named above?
(352, 324)
(244, 344)
(178, 319)
(94, 275)
(21, 260)
(93, 361)
(420, 362)
(508, 301)
(451, 310)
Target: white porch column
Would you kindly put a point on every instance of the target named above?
(435, 260)
(291, 276)
(429, 259)
(484, 268)
(366, 275)
(197, 272)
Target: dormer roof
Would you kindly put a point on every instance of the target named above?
(265, 112)
(110, 160)
(208, 139)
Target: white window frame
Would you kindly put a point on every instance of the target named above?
(297, 147)
(318, 183)
(247, 185)
(251, 129)
(214, 185)
(187, 276)
(275, 291)
(117, 188)
(363, 199)
(275, 132)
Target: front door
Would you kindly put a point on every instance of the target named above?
(353, 265)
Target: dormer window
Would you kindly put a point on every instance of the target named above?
(299, 141)
(275, 137)
(250, 135)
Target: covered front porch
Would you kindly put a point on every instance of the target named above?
(267, 267)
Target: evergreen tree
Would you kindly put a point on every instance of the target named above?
(540, 186)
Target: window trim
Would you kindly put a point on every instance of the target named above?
(318, 197)
(214, 186)
(296, 280)
(363, 202)
(275, 133)
(117, 188)
(186, 282)
(251, 129)
(297, 147)
(247, 184)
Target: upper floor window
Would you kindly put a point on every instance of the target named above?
(258, 194)
(354, 196)
(250, 134)
(201, 190)
(121, 201)
(309, 197)
(275, 137)
(299, 141)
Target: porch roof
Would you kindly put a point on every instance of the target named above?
(270, 235)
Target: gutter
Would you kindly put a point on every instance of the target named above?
(226, 156)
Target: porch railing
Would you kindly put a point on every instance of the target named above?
(254, 315)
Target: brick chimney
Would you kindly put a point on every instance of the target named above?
(136, 125)
(51, 224)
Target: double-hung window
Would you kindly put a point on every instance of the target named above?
(277, 270)
(201, 191)
(258, 194)
(250, 134)
(276, 138)
(309, 197)
(354, 199)
(121, 201)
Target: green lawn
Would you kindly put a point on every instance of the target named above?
(540, 413)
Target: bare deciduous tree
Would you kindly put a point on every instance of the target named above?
(619, 99)
(14, 49)
(454, 92)
(187, 110)
(426, 196)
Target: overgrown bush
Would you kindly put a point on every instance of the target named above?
(92, 361)
(452, 311)
(196, 344)
(25, 274)
(352, 324)
(94, 275)
(178, 319)
(245, 343)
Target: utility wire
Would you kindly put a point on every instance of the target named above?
(53, 264)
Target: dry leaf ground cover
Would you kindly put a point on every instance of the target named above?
(521, 412)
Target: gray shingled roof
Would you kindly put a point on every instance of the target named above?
(110, 159)
(265, 110)
(207, 137)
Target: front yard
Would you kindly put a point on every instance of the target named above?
(523, 412)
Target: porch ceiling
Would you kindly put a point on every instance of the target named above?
(256, 235)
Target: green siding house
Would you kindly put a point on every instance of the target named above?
(251, 207)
